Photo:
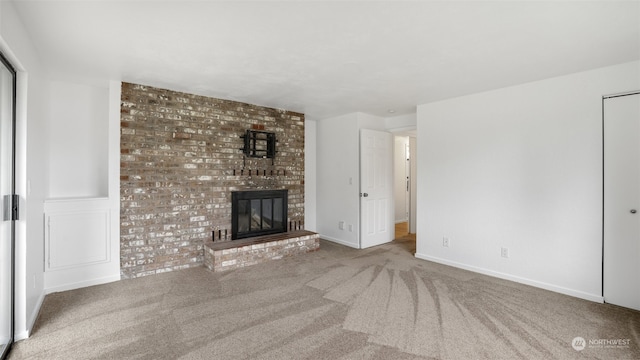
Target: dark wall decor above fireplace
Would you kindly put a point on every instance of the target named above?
(260, 144)
(256, 213)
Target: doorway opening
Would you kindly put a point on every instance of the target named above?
(405, 144)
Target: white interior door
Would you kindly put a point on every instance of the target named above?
(376, 188)
(621, 258)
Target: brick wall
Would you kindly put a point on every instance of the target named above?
(180, 160)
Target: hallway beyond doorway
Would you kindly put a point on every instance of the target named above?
(403, 237)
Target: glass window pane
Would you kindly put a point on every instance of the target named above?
(277, 213)
(266, 213)
(256, 223)
(243, 216)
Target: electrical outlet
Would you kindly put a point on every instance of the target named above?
(504, 252)
(350, 227)
(445, 241)
(341, 225)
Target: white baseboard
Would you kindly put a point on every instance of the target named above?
(338, 241)
(521, 280)
(78, 285)
(31, 321)
(21, 336)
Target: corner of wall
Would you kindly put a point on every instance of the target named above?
(115, 93)
(310, 175)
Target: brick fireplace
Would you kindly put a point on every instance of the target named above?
(181, 159)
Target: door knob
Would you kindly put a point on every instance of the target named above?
(633, 211)
(364, 194)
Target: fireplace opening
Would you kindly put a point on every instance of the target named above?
(258, 212)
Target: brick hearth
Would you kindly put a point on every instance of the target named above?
(228, 255)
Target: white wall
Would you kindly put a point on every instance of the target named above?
(338, 178)
(338, 175)
(401, 122)
(366, 121)
(400, 177)
(78, 124)
(31, 175)
(310, 174)
(89, 252)
(519, 168)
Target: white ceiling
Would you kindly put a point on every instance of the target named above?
(330, 57)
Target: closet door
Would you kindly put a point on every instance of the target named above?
(621, 257)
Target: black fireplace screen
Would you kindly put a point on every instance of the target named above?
(255, 213)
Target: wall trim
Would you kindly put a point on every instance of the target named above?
(31, 321)
(338, 241)
(82, 284)
(518, 279)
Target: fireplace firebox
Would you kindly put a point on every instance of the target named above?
(258, 212)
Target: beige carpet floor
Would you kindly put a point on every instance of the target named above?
(336, 303)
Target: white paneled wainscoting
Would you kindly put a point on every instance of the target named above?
(81, 243)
